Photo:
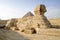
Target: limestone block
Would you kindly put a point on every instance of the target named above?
(12, 28)
(11, 23)
(30, 31)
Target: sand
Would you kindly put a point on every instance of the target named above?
(17, 35)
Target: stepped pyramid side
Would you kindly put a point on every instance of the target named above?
(28, 14)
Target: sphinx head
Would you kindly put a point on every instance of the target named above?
(40, 9)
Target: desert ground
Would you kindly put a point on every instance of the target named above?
(17, 35)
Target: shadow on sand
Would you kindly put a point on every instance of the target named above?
(11, 35)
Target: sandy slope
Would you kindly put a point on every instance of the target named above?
(16, 35)
(40, 37)
(11, 35)
(55, 21)
(2, 35)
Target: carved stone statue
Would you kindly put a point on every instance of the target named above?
(40, 9)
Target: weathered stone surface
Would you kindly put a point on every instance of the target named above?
(23, 23)
(36, 21)
(40, 9)
(42, 21)
(29, 31)
(33, 22)
(28, 14)
(11, 23)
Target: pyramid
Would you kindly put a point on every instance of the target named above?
(28, 14)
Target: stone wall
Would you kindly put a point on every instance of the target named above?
(11, 23)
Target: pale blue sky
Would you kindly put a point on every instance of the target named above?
(18, 8)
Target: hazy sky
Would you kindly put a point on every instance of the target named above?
(18, 8)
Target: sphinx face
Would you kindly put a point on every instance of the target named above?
(40, 9)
